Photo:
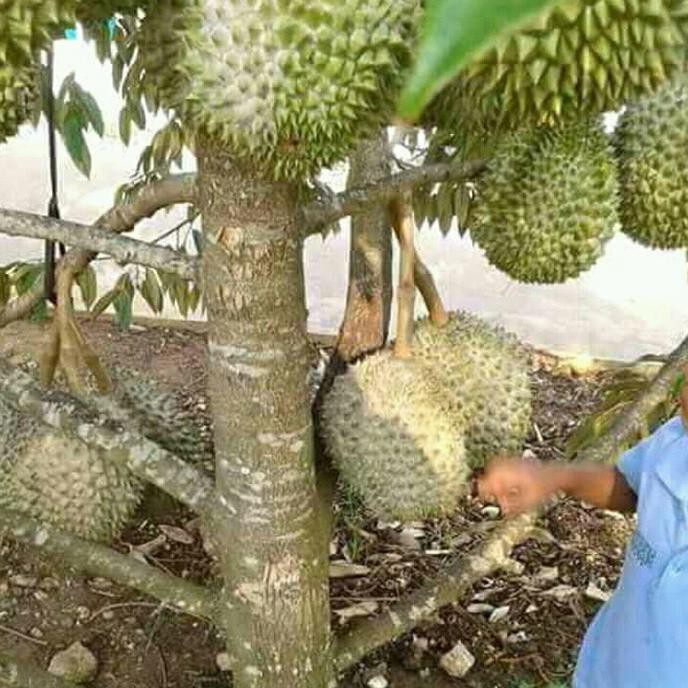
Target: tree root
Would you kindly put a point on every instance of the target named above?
(98, 560)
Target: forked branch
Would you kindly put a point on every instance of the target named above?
(98, 560)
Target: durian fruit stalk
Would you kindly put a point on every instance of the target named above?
(548, 203)
(288, 84)
(651, 141)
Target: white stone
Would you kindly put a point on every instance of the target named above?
(480, 608)
(490, 511)
(499, 614)
(561, 592)
(593, 592)
(223, 661)
(547, 574)
(76, 664)
(458, 661)
(378, 682)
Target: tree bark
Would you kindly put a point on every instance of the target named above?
(365, 325)
(275, 607)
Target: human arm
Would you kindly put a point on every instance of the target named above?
(518, 485)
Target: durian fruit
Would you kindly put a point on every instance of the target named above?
(651, 142)
(548, 203)
(577, 55)
(484, 372)
(19, 98)
(62, 481)
(288, 84)
(56, 478)
(394, 438)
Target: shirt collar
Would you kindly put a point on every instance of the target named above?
(672, 464)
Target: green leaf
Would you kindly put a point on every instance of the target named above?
(88, 285)
(26, 277)
(73, 136)
(123, 310)
(151, 291)
(103, 302)
(198, 240)
(125, 126)
(90, 108)
(5, 288)
(39, 312)
(453, 32)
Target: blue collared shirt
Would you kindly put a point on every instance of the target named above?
(639, 639)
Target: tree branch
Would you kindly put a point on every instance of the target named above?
(119, 219)
(367, 635)
(24, 675)
(144, 458)
(428, 289)
(93, 238)
(607, 448)
(98, 560)
(323, 212)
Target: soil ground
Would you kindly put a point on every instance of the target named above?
(531, 641)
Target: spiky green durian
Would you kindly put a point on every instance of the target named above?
(56, 478)
(577, 56)
(484, 371)
(395, 439)
(289, 84)
(548, 202)
(651, 142)
(62, 481)
(28, 26)
(19, 97)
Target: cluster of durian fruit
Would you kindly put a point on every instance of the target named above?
(58, 479)
(407, 433)
(558, 186)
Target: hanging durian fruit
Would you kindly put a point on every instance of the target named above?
(579, 55)
(26, 27)
(652, 150)
(289, 84)
(19, 98)
(395, 438)
(548, 203)
(484, 372)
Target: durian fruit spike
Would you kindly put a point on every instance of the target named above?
(290, 86)
(60, 480)
(576, 56)
(483, 371)
(548, 203)
(395, 439)
(651, 141)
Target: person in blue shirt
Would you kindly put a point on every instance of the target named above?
(639, 638)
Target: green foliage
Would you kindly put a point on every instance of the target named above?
(616, 397)
(452, 33)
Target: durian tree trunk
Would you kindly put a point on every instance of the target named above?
(275, 606)
(365, 325)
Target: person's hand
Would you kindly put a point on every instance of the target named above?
(517, 484)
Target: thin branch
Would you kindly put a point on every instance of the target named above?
(428, 289)
(607, 448)
(14, 673)
(123, 249)
(401, 212)
(334, 207)
(144, 458)
(367, 635)
(121, 218)
(98, 560)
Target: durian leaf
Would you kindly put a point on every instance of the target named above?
(5, 288)
(198, 240)
(152, 293)
(123, 310)
(125, 125)
(452, 32)
(90, 108)
(103, 303)
(88, 286)
(72, 132)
